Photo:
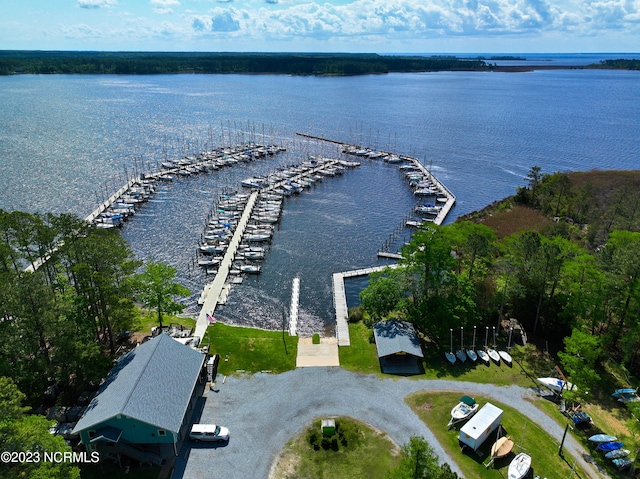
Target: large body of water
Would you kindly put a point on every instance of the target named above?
(65, 141)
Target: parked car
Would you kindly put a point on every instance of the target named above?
(208, 432)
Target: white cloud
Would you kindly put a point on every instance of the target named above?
(373, 22)
(165, 3)
(81, 30)
(96, 3)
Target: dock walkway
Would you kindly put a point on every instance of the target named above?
(213, 296)
(340, 300)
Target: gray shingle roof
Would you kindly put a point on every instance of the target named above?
(394, 336)
(153, 384)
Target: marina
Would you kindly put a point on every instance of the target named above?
(241, 223)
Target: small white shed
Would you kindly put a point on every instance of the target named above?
(477, 430)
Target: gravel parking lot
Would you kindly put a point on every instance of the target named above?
(264, 411)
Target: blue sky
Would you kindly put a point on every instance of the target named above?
(458, 26)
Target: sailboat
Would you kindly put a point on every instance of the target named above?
(460, 352)
(519, 467)
(501, 447)
(450, 356)
(482, 353)
(493, 354)
(506, 357)
(471, 353)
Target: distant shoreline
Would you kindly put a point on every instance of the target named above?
(298, 64)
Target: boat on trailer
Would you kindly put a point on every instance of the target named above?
(462, 411)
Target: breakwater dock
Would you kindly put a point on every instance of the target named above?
(340, 300)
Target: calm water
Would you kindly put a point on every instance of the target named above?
(66, 141)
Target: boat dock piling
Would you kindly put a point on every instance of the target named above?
(295, 302)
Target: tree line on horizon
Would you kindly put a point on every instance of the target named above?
(145, 63)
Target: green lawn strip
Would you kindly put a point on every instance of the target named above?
(251, 350)
(362, 355)
(372, 456)
(434, 410)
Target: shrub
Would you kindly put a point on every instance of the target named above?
(315, 339)
(356, 314)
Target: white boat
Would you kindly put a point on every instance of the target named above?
(519, 467)
(250, 268)
(506, 357)
(493, 354)
(466, 408)
(484, 356)
(256, 183)
(258, 237)
(557, 385)
(213, 248)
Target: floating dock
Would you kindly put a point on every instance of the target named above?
(340, 300)
(295, 302)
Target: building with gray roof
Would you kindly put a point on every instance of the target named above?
(145, 404)
(398, 347)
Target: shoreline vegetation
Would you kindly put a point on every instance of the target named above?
(303, 64)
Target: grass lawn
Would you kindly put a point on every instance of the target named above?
(251, 350)
(434, 410)
(362, 355)
(368, 457)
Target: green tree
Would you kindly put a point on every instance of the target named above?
(534, 177)
(418, 461)
(20, 432)
(581, 353)
(156, 289)
(381, 296)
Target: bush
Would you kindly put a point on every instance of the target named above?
(356, 314)
(315, 339)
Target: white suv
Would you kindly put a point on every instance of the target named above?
(208, 432)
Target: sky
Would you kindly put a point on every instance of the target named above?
(377, 26)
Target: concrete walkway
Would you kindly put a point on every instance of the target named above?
(315, 355)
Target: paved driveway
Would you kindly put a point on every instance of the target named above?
(265, 411)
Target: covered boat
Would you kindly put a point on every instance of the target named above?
(466, 408)
(610, 446)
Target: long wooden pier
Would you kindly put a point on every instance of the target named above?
(213, 295)
(340, 300)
